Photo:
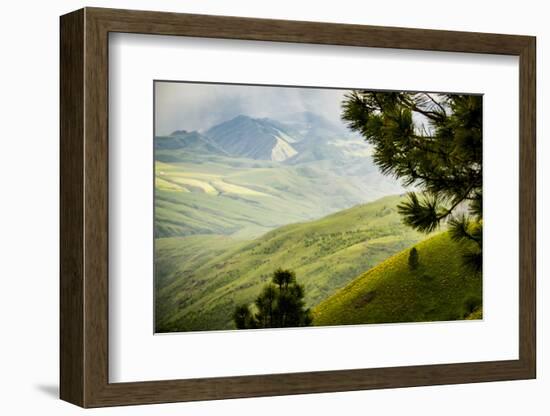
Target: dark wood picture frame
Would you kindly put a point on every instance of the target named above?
(84, 207)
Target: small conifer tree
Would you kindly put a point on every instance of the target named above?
(413, 259)
(280, 304)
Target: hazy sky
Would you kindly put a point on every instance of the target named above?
(191, 106)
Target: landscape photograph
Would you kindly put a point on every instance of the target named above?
(288, 206)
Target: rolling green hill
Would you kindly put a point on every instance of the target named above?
(441, 288)
(201, 278)
(198, 193)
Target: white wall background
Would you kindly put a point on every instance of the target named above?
(29, 158)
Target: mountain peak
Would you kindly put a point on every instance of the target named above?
(242, 117)
(179, 132)
(255, 138)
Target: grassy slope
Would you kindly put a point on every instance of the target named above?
(200, 279)
(212, 194)
(440, 289)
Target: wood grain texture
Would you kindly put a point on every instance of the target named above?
(96, 208)
(71, 213)
(527, 207)
(226, 27)
(84, 207)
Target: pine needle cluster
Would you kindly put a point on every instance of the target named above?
(432, 143)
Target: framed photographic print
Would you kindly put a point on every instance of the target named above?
(256, 207)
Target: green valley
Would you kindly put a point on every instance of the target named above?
(298, 221)
(201, 278)
(215, 194)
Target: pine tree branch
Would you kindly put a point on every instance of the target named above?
(431, 115)
(436, 103)
(457, 203)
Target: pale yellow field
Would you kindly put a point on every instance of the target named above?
(165, 185)
(230, 188)
(169, 178)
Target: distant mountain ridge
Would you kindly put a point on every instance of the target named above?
(295, 139)
(253, 138)
(190, 141)
(257, 174)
